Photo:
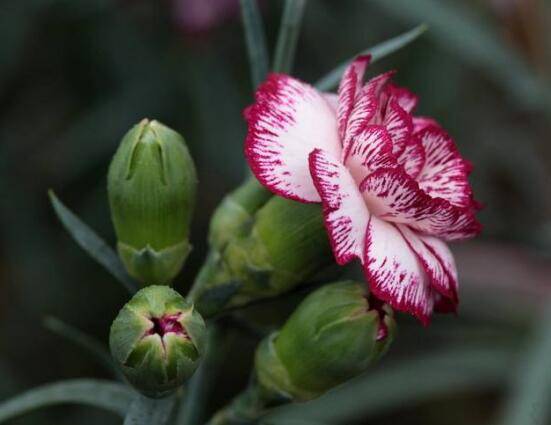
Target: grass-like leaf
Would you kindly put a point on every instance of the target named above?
(88, 240)
(149, 411)
(98, 393)
(405, 384)
(289, 31)
(377, 52)
(530, 400)
(83, 340)
(255, 39)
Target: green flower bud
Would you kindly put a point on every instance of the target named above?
(334, 334)
(267, 252)
(158, 339)
(151, 185)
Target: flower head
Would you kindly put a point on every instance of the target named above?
(393, 186)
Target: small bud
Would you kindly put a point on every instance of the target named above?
(157, 339)
(334, 334)
(282, 244)
(151, 185)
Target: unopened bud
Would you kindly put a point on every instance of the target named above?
(151, 185)
(158, 340)
(334, 334)
(281, 245)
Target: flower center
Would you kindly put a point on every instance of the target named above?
(167, 324)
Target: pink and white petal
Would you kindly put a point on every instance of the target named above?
(370, 150)
(366, 107)
(445, 172)
(399, 125)
(421, 123)
(344, 209)
(350, 85)
(441, 251)
(394, 196)
(412, 157)
(333, 100)
(443, 304)
(433, 266)
(394, 272)
(406, 99)
(288, 120)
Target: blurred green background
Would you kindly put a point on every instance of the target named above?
(75, 75)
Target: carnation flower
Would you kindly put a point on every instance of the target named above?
(393, 186)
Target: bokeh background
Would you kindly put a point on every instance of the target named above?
(75, 75)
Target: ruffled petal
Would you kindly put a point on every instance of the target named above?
(394, 196)
(445, 173)
(350, 85)
(344, 209)
(333, 100)
(366, 107)
(288, 120)
(406, 99)
(421, 123)
(438, 274)
(369, 151)
(441, 251)
(399, 125)
(394, 272)
(412, 157)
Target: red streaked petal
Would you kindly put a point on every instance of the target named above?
(439, 277)
(288, 120)
(399, 125)
(421, 123)
(369, 150)
(344, 209)
(406, 99)
(412, 157)
(350, 85)
(441, 251)
(365, 107)
(394, 196)
(445, 173)
(394, 272)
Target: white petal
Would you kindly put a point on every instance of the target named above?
(288, 120)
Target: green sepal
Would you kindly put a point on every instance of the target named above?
(151, 266)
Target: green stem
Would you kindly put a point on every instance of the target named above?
(288, 35)
(245, 409)
(149, 411)
(255, 40)
(192, 412)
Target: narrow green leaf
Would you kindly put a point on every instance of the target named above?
(255, 39)
(405, 384)
(106, 395)
(88, 240)
(377, 52)
(149, 411)
(530, 400)
(83, 340)
(457, 30)
(289, 31)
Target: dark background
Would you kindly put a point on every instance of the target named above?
(75, 75)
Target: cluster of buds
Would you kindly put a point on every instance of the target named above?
(261, 246)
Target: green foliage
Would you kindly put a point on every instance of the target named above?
(90, 242)
(102, 394)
